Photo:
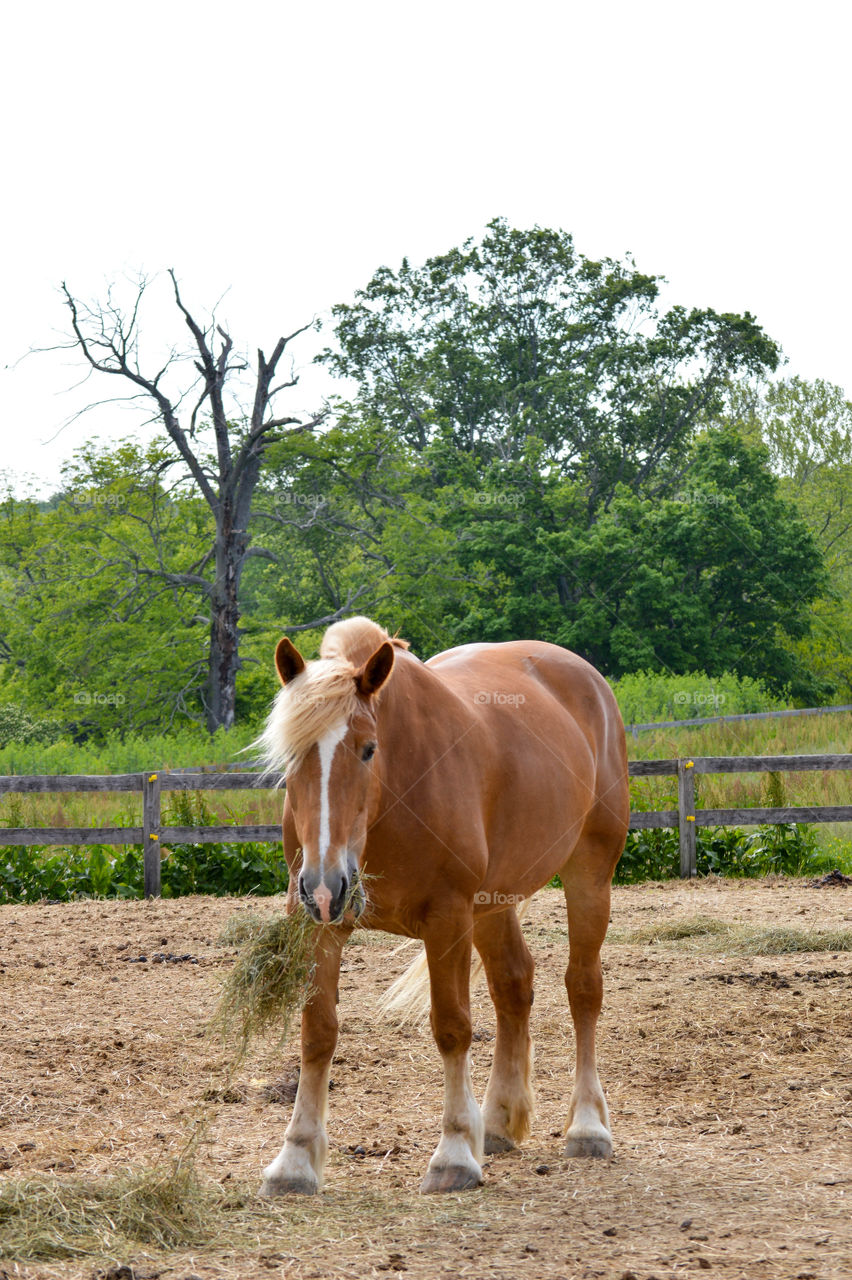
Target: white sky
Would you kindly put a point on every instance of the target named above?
(284, 151)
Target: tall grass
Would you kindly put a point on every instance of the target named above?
(829, 734)
(180, 749)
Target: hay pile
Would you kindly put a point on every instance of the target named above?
(162, 1206)
(704, 933)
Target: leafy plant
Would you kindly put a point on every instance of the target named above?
(646, 696)
(16, 725)
(788, 848)
(215, 868)
(785, 849)
(649, 854)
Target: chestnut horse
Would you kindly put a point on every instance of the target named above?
(459, 786)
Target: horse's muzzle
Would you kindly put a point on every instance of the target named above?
(327, 899)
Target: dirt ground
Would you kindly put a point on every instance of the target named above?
(729, 1080)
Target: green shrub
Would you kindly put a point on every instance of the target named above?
(789, 849)
(19, 727)
(219, 869)
(649, 854)
(33, 874)
(648, 696)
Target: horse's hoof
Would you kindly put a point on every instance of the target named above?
(599, 1147)
(271, 1188)
(496, 1144)
(450, 1177)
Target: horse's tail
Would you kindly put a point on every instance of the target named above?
(408, 999)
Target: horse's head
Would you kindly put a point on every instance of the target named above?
(323, 728)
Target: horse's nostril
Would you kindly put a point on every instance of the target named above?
(301, 887)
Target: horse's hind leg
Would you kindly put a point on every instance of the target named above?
(508, 1104)
(586, 880)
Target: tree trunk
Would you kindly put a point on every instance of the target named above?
(221, 693)
(229, 489)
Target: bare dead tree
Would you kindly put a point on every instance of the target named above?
(227, 478)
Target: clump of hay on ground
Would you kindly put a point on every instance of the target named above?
(708, 934)
(673, 930)
(164, 1206)
(271, 979)
(776, 940)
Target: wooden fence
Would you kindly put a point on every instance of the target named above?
(152, 835)
(687, 818)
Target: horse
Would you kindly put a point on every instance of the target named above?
(427, 799)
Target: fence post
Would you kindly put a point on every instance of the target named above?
(686, 817)
(151, 833)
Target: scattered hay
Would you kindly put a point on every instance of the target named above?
(780, 940)
(271, 979)
(708, 934)
(164, 1206)
(672, 930)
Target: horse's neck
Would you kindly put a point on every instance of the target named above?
(418, 711)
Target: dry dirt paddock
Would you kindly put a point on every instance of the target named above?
(728, 1078)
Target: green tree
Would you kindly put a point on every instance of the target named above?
(356, 516)
(808, 429)
(520, 337)
(99, 625)
(717, 577)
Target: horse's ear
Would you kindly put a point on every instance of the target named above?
(289, 663)
(375, 670)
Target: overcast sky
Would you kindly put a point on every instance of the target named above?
(279, 153)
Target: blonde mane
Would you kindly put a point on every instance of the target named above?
(322, 697)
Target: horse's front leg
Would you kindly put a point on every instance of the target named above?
(456, 1162)
(298, 1169)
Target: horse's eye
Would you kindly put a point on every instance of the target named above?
(369, 751)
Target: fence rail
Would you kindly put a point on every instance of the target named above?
(152, 835)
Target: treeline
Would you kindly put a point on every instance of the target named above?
(529, 446)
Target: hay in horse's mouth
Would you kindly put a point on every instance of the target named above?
(271, 979)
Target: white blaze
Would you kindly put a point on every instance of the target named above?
(327, 746)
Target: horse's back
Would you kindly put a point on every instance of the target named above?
(557, 742)
(506, 675)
